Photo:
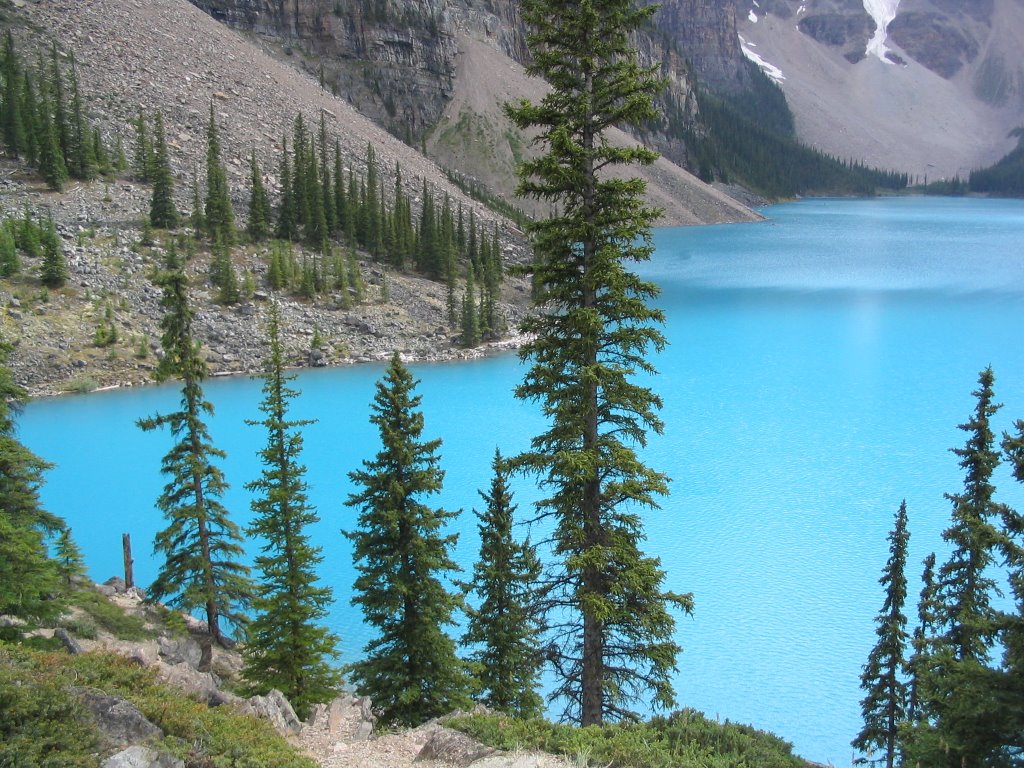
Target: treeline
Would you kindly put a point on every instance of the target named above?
(1006, 177)
(330, 211)
(950, 692)
(43, 120)
(327, 210)
(729, 145)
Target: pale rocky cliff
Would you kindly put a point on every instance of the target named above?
(939, 102)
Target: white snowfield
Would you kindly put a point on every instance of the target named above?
(883, 12)
(769, 69)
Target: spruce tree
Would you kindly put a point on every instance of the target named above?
(162, 212)
(591, 335)
(28, 576)
(81, 154)
(955, 685)
(504, 628)
(61, 124)
(259, 208)
(401, 551)
(219, 217)
(470, 319)
(51, 159)
(1013, 620)
(9, 263)
(286, 649)
(12, 117)
(69, 561)
(142, 159)
(287, 226)
(884, 708)
(54, 269)
(201, 546)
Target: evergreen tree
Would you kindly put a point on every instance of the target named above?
(142, 159)
(219, 217)
(917, 664)
(470, 319)
(373, 239)
(592, 333)
(201, 546)
(955, 681)
(287, 226)
(222, 274)
(259, 207)
(1013, 621)
(162, 212)
(286, 647)
(505, 626)
(11, 115)
(884, 708)
(54, 270)
(28, 576)
(81, 153)
(61, 124)
(9, 264)
(69, 561)
(51, 159)
(410, 670)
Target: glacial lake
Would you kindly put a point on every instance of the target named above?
(818, 367)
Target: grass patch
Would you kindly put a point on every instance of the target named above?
(43, 720)
(104, 614)
(685, 739)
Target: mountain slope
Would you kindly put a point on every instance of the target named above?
(936, 97)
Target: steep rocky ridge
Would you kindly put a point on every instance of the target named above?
(168, 56)
(941, 104)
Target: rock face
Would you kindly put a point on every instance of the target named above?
(704, 31)
(941, 103)
(394, 61)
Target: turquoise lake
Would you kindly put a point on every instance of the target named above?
(818, 367)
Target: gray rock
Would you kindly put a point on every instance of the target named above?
(119, 721)
(454, 748)
(276, 709)
(73, 646)
(138, 756)
(181, 650)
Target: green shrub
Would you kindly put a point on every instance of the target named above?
(686, 739)
(109, 616)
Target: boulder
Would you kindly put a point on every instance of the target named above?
(276, 709)
(119, 721)
(181, 650)
(138, 756)
(453, 748)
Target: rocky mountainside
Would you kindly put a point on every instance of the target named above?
(169, 56)
(928, 87)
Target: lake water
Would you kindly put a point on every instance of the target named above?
(818, 367)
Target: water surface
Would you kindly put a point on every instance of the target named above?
(818, 367)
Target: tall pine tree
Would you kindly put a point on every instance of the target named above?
(219, 217)
(593, 332)
(884, 708)
(504, 628)
(28, 577)
(401, 551)
(287, 649)
(162, 212)
(201, 546)
(955, 679)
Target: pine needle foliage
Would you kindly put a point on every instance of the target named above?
(201, 546)
(286, 648)
(162, 212)
(28, 577)
(884, 706)
(613, 644)
(401, 551)
(504, 627)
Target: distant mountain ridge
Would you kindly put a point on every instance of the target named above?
(934, 93)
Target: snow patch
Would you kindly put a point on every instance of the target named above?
(753, 17)
(883, 12)
(801, 9)
(769, 69)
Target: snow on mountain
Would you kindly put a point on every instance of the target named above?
(883, 12)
